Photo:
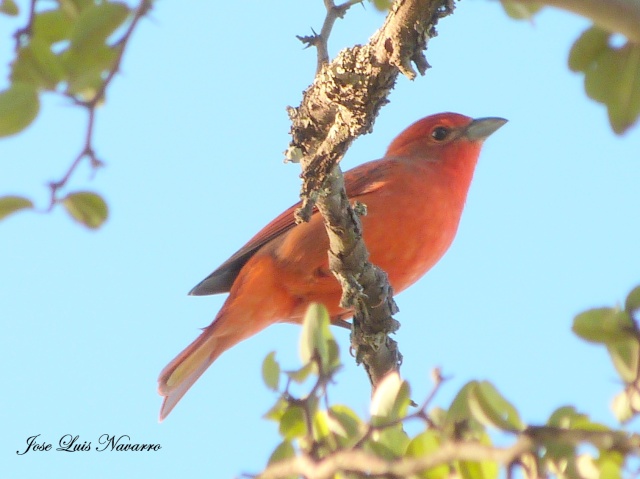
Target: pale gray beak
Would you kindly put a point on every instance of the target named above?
(481, 128)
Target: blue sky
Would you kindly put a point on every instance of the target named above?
(193, 133)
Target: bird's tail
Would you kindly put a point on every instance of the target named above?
(255, 301)
(185, 369)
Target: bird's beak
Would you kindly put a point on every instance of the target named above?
(481, 128)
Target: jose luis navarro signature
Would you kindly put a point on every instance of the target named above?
(106, 442)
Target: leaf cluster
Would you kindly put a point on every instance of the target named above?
(66, 49)
(611, 72)
(324, 440)
(71, 48)
(617, 329)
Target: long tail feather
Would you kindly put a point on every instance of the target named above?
(180, 374)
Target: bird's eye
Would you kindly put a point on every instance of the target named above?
(440, 133)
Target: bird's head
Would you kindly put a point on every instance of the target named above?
(444, 132)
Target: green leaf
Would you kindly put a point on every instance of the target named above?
(478, 470)
(36, 64)
(271, 371)
(73, 8)
(292, 423)
(326, 442)
(624, 355)
(459, 422)
(13, 204)
(321, 428)
(610, 464)
(89, 56)
(612, 75)
(520, 11)
(622, 95)
(52, 26)
(490, 408)
(277, 411)
(315, 334)
(86, 69)
(621, 407)
(86, 208)
(388, 443)
(567, 417)
(459, 409)
(301, 375)
(390, 400)
(394, 438)
(284, 451)
(382, 5)
(9, 7)
(425, 444)
(587, 467)
(561, 454)
(481, 469)
(95, 24)
(587, 49)
(603, 325)
(564, 417)
(345, 424)
(19, 105)
(438, 417)
(632, 303)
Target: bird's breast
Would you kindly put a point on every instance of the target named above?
(410, 224)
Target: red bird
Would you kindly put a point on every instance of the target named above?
(418, 188)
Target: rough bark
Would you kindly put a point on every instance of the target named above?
(340, 105)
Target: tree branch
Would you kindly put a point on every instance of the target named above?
(321, 40)
(358, 461)
(340, 105)
(529, 441)
(616, 16)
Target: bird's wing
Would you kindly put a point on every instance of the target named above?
(361, 180)
(221, 279)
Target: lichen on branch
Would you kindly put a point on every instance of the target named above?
(340, 105)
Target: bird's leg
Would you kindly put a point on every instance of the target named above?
(342, 323)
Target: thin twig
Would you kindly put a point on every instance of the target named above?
(27, 30)
(87, 150)
(438, 381)
(321, 40)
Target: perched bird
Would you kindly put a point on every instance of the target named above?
(414, 197)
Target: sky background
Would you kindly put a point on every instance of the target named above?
(193, 133)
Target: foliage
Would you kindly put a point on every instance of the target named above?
(617, 329)
(324, 440)
(72, 48)
(611, 73)
(520, 11)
